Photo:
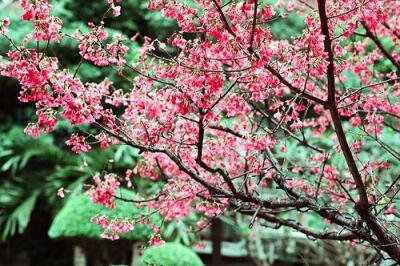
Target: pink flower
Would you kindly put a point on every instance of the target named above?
(315, 170)
(32, 130)
(156, 240)
(6, 21)
(291, 6)
(112, 236)
(267, 12)
(116, 10)
(355, 121)
(202, 224)
(104, 190)
(104, 140)
(201, 245)
(60, 192)
(78, 144)
(391, 209)
(28, 15)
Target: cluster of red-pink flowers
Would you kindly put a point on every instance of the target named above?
(104, 190)
(92, 47)
(115, 7)
(156, 239)
(3, 26)
(46, 123)
(47, 28)
(78, 144)
(113, 227)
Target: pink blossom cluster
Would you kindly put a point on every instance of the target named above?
(3, 26)
(46, 27)
(78, 144)
(104, 140)
(113, 227)
(156, 240)
(104, 189)
(115, 7)
(117, 51)
(92, 47)
(46, 123)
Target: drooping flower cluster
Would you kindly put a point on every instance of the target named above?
(78, 144)
(113, 228)
(104, 189)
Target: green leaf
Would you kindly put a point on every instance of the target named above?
(10, 163)
(19, 218)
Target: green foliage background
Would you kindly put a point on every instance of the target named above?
(73, 220)
(170, 254)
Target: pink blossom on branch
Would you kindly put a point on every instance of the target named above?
(104, 190)
(60, 192)
(78, 144)
(222, 122)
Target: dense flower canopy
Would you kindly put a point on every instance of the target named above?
(213, 107)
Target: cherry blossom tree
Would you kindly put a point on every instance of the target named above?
(216, 109)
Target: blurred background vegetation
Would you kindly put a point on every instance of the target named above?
(39, 228)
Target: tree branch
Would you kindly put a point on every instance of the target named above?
(380, 46)
(293, 88)
(200, 161)
(363, 202)
(253, 26)
(224, 20)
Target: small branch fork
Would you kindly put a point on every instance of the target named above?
(298, 227)
(380, 46)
